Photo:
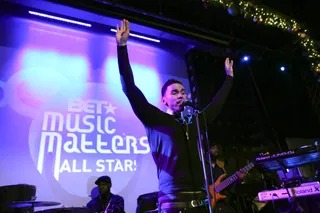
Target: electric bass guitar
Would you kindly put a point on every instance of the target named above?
(220, 185)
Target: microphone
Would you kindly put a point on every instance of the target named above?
(190, 104)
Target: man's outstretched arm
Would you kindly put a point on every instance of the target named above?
(147, 113)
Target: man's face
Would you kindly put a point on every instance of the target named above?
(104, 188)
(215, 151)
(174, 97)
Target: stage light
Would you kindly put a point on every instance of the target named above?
(140, 36)
(282, 68)
(245, 58)
(59, 19)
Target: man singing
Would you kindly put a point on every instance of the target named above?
(172, 138)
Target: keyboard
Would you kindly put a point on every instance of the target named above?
(306, 189)
(309, 154)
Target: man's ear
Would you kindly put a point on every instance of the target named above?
(163, 100)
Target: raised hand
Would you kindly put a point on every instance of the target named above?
(228, 65)
(122, 34)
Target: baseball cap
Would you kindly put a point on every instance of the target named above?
(105, 179)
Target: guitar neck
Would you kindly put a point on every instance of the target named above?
(227, 182)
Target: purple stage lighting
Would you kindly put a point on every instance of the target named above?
(139, 36)
(59, 19)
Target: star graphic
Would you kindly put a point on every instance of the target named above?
(110, 108)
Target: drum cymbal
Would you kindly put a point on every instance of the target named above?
(19, 192)
(29, 204)
(68, 210)
(153, 211)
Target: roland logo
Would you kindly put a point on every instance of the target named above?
(303, 191)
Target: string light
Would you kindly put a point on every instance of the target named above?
(263, 15)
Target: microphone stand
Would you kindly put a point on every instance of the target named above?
(200, 149)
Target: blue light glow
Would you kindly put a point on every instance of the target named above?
(146, 79)
(59, 19)
(245, 58)
(44, 72)
(282, 68)
(140, 36)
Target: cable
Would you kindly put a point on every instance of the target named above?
(277, 209)
(290, 199)
(209, 157)
(264, 107)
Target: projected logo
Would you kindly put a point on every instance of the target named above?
(88, 135)
(70, 133)
(80, 132)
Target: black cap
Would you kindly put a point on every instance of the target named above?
(105, 179)
(212, 143)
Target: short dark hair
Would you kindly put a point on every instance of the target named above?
(167, 84)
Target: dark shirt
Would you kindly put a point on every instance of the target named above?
(217, 171)
(178, 163)
(114, 205)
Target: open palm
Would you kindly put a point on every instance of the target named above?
(122, 34)
(228, 65)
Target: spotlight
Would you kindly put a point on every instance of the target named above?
(140, 36)
(282, 68)
(233, 9)
(59, 18)
(245, 58)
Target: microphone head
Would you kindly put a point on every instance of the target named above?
(187, 103)
(190, 104)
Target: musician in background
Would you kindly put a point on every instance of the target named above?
(106, 202)
(219, 168)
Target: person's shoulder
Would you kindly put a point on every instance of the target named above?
(95, 199)
(118, 197)
(92, 202)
